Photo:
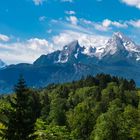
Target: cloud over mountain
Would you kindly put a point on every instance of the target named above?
(24, 51)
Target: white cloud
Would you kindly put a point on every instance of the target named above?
(105, 25)
(4, 38)
(135, 3)
(135, 23)
(101, 27)
(70, 12)
(37, 44)
(67, 1)
(27, 51)
(49, 31)
(42, 18)
(119, 24)
(38, 2)
(73, 20)
(84, 39)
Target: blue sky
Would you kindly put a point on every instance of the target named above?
(29, 28)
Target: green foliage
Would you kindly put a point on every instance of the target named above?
(103, 107)
(80, 120)
(132, 122)
(57, 111)
(51, 132)
(109, 124)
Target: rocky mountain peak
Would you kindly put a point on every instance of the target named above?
(71, 47)
(70, 51)
(119, 35)
(119, 43)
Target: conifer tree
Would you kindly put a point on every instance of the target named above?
(21, 120)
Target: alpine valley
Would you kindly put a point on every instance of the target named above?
(120, 56)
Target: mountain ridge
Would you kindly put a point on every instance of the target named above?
(117, 44)
(120, 56)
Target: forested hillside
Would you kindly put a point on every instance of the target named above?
(94, 108)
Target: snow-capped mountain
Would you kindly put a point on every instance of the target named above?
(119, 56)
(118, 48)
(69, 54)
(69, 51)
(119, 43)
